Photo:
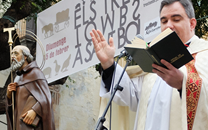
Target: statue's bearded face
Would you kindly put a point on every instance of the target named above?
(16, 65)
(18, 59)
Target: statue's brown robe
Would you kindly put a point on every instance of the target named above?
(32, 82)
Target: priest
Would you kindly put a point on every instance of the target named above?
(169, 98)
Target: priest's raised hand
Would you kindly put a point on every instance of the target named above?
(104, 51)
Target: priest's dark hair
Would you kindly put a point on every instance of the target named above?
(187, 4)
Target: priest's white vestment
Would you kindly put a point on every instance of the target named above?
(159, 106)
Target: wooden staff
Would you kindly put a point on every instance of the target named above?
(9, 30)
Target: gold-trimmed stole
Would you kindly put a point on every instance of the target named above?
(193, 89)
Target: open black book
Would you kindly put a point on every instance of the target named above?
(167, 45)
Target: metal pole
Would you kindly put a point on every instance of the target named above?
(12, 91)
(9, 30)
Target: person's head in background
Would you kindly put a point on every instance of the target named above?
(179, 16)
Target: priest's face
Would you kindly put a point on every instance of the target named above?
(18, 59)
(173, 16)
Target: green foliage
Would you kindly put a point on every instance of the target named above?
(201, 13)
(40, 5)
(71, 80)
(97, 67)
(37, 5)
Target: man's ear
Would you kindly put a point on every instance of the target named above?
(193, 23)
(25, 57)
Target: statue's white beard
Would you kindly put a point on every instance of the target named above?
(17, 65)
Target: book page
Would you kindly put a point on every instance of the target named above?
(137, 43)
(161, 36)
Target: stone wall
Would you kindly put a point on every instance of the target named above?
(76, 103)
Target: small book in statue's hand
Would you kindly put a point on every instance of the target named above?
(167, 45)
(31, 101)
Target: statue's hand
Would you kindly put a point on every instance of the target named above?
(29, 117)
(11, 87)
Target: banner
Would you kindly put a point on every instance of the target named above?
(64, 29)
